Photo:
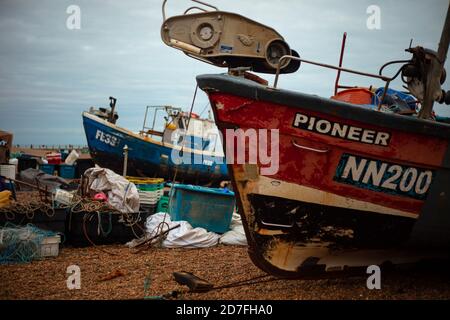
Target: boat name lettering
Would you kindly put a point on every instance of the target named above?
(107, 138)
(207, 162)
(383, 176)
(339, 130)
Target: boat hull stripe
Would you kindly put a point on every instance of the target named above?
(292, 191)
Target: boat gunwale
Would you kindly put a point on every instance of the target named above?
(241, 87)
(148, 140)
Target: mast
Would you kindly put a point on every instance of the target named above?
(434, 75)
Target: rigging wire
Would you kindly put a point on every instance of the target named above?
(204, 109)
(159, 228)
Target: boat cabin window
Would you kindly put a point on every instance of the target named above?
(181, 123)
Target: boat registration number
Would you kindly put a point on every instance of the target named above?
(383, 176)
(107, 138)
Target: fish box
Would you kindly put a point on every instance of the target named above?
(51, 220)
(47, 168)
(209, 208)
(82, 165)
(24, 163)
(67, 171)
(86, 228)
(53, 158)
(50, 246)
(150, 191)
(8, 171)
(163, 204)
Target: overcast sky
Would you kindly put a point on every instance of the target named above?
(50, 74)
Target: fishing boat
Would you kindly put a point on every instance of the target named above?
(363, 178)
(157, 153)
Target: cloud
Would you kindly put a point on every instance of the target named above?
(49, 74)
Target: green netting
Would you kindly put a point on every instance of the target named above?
(20, 244)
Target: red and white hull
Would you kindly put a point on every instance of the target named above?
(348, 178)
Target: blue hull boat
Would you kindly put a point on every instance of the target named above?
(149, 157)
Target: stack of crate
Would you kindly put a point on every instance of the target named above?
(150, 191)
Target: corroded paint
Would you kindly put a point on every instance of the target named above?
(317, 170)
(281, 251)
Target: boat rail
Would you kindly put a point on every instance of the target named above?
(190, 8)
(171, 111)
(388, 80)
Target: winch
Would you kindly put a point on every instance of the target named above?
(416, 72)
(226, 39)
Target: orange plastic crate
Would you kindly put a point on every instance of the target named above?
(354, 95)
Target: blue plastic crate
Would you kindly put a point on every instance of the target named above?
(209, 208)
(47, 168)
(66, 171)
(10, 186)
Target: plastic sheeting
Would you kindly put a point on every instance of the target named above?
(30, 175)
(184, 236)
(236, 236)
(395, 101)
(122, 194)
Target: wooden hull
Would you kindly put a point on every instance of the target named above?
(349, 179)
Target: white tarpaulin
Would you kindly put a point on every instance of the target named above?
(236, 236)
(122, 194)
(185, 236)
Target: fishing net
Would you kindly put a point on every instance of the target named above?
(21, 244)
